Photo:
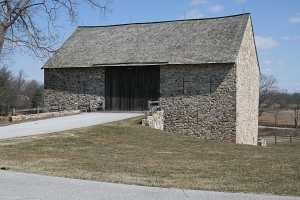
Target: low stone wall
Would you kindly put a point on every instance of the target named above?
(60, 100)
(42, 115)
(156, 120)
(3, 118)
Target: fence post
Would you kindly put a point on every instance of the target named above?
(290, 139)
(13, 112)
(275, 139)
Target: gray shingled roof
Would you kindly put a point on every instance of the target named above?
(198, 41)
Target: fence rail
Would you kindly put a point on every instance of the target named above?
(279, 139)
(36, 110)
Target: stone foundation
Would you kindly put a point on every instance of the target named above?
(155, 120)
(72, 89)
(199, 100)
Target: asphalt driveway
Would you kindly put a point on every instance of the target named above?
(17, 186)
(61, 124)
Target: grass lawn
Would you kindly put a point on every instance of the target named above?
(124, 152)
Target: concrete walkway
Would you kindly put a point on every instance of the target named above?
(61, 124)
(17, 186)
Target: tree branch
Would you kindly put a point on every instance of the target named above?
(20, 21)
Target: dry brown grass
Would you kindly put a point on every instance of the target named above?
(124, 152)
(285, 118)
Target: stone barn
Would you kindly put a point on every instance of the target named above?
(204, 72)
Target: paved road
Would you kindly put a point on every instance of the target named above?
(61, 123)
(17, 186)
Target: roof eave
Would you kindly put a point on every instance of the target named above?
(138, 64)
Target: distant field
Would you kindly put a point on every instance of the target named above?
(285, 118)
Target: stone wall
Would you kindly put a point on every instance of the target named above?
(74, 88)
(199, 100)
(155, 120)
(247, 90)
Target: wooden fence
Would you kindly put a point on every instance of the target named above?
(280, 139)
(36, 110)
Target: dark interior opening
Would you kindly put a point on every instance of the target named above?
(130, 88)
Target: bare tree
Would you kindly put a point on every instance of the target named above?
(276, 110)
(267, 89)
(16, 92)
(296, 109)
(20, 22)
(34, 91)
(6, 96)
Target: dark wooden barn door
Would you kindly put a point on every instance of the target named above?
(130, 88)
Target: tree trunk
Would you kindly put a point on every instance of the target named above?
(296, 117)
(2, 35)
(276, 119)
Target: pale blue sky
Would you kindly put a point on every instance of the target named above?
(276, 26)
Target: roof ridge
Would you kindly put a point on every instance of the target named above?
(166, 21)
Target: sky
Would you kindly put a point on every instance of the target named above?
(276, 26)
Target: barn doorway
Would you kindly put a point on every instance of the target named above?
(130, 88)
